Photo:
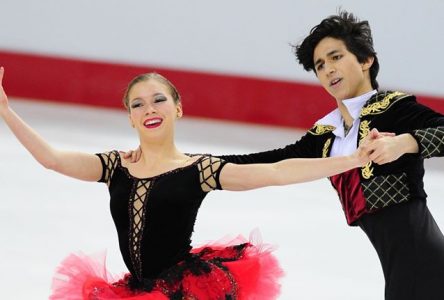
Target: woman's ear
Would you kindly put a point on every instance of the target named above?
(179, 110)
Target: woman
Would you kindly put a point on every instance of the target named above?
(154, 204)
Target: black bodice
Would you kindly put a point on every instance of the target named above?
(155, 216)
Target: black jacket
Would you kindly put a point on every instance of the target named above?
(375, 186)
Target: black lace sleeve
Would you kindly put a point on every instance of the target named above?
(209, 172)
(109, 162)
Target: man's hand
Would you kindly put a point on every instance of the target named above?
(132, 156)
(386, 147)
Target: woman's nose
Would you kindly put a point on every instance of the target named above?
(150, 109)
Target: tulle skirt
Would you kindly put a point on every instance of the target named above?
(229, 270)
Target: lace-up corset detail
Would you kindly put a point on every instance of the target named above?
(155, 216)
(137, 210)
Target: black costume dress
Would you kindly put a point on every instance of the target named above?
(154, 218)
(387, 202)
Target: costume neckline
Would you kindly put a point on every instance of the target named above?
(149, 178)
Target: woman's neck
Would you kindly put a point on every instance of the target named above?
(156, 154)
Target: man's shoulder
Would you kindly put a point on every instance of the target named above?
(320, 129)
(383, 100)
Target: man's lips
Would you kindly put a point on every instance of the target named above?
(334, 82)
(152, 122)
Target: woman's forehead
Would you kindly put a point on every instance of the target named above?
(148, 87)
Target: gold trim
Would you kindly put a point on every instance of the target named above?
(364, 130)
(326, 147)
(381, 106)
(367, 170)
(319, 129)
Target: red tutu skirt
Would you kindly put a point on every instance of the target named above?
(215, 271)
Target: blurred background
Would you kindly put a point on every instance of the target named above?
(68, 62)
(231, 60)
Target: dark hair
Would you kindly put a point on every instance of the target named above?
(150, 76)
(355, 34)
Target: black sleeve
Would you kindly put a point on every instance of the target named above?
(109, 162)
(210, 168)
(305, 148)
(425, 125)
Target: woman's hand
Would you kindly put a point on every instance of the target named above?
(362, 154)
(384, 147)
(4, 104)
(367, 147)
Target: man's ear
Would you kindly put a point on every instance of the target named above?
(368, 63)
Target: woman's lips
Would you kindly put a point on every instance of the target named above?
(152, 123)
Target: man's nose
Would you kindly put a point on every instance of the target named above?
(329, 68)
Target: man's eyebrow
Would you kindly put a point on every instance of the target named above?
(331, 53)
(318, 62)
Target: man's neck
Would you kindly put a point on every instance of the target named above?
(346, 116)
(345, 113)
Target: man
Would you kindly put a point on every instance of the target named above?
(386, 197)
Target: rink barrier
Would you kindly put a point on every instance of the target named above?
(204, 94)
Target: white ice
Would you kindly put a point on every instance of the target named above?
(45, 216)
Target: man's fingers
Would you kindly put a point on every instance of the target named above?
(133, 157)
(375, 155)
(126, 155)
(374, 133)
(389, 134)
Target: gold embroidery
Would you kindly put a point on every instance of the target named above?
(367, 170)
(364, 130)
(319, 129)
(326, 147)
(381, 106)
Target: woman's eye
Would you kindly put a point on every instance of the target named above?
(160, 99)
(319, 67)
(135, 105)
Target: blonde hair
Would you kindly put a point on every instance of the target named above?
(146, 77)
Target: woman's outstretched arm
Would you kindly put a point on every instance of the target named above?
(74, 164)
(246, 177)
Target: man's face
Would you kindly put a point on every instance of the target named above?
(339, 71)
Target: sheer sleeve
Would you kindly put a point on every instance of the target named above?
(209, 172)
(109, 162)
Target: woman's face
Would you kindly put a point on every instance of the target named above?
(152, 110)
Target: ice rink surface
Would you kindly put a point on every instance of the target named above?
(45, 216)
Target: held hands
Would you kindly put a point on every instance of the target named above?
(374, 147)
(385, 147)
(3, 98)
